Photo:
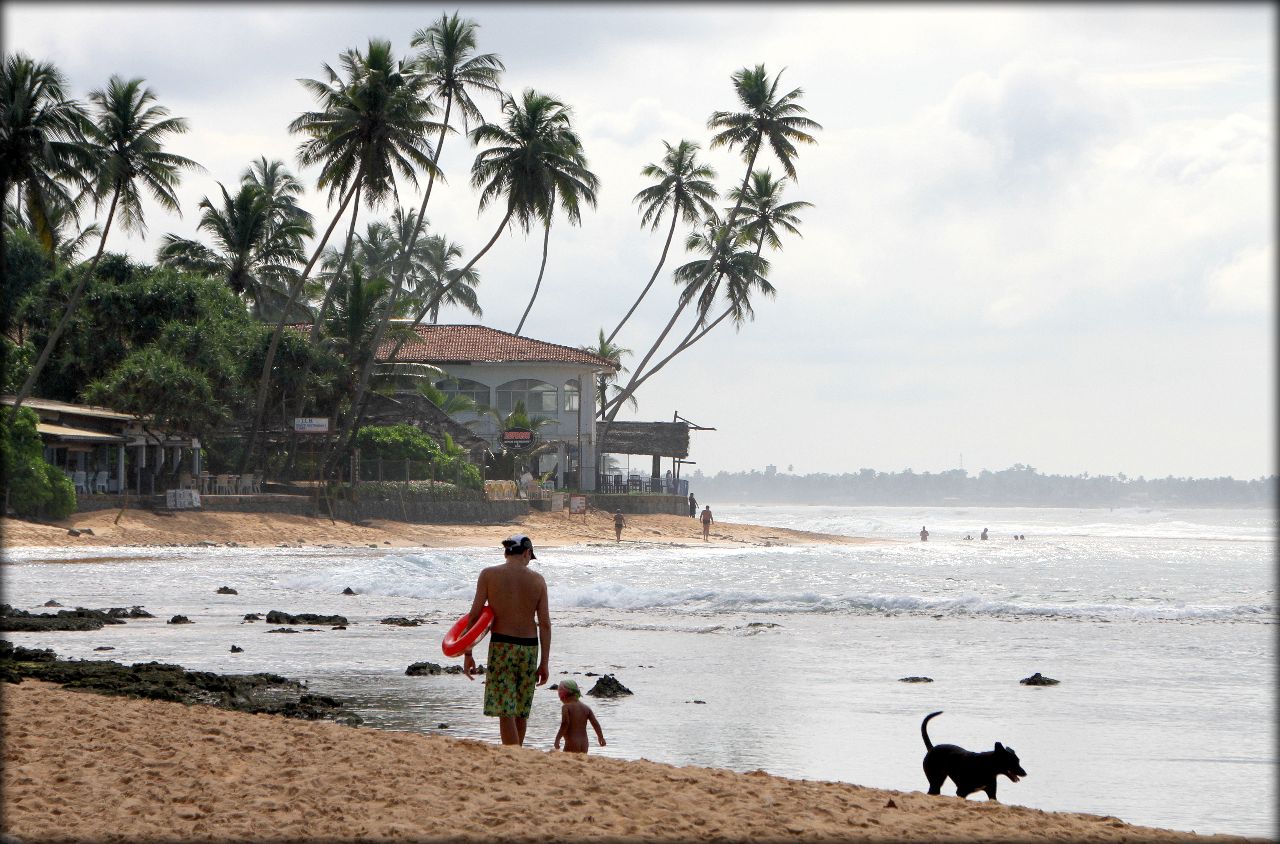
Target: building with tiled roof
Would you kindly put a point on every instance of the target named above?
(497, 369)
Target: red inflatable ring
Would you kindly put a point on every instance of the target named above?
(455, 643)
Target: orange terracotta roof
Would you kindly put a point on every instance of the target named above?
(481, 344)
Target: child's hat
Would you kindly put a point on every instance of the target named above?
(570, 688)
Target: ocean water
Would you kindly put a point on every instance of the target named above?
(1159, 624)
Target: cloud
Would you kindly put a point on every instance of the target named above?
(1247, 283)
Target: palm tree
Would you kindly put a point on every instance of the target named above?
(613, 353)
(560, 165)
(768, 118)
(683, 189)
(371, 126)
(125, 134)
(530, 154)
(65, 237)
(440, 284)
(766, 213)
(39, 142)
(451, 72)
(253, 251)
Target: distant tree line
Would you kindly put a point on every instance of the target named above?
(1017, 486)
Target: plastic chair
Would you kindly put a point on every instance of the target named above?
(100, 481)
(81, 481)
(245, 484)
(222, 485)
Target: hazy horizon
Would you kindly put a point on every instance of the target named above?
(1040, 235)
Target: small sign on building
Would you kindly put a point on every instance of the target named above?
(311, 424)
(517, 439)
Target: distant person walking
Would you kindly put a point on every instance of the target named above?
(707, 521)
(984, 534)
(693, 507)
(619, 522)
(924, 534)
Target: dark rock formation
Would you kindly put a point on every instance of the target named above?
(227, 590)
(104, 648)
(608, 686)
(52, 603)
(424, 669)
(277, 617)
(253, 616)
(236, 649)
(179, 619)
(20, 621)
(283, 630)
(1037, 680)
(131, 612)
(348, 591)
(457, 669)
(261, 693)
(400, 621)
(915, 679)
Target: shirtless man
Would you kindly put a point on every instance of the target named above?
(707, 521)
(517, 596)
(619, 522)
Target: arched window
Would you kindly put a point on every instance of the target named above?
(571, 395)
(539, 397)
(474, 390)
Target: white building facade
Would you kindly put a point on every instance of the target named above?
(497, 369)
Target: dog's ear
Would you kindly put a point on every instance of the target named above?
(999, 747)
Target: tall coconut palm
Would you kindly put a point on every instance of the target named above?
(528, 155)
(452, 72)
(683, 190)
(573, 184)
(765, 214)
(253, 252)
(40, 152)
(124, 133)
(768, 119)
(371, 126)
(612, 352)
(64, 234)
(440, 284)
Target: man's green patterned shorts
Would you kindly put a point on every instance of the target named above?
(509, 679)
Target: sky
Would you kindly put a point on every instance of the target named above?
(1040, 234)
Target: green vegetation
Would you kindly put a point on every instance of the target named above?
(408, 454)
(34, 487)
(229, 335)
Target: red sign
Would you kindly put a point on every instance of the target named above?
(517, 438)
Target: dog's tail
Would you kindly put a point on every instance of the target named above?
(924, 729)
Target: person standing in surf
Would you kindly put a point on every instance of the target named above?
(619, 522)
(521, 628)
(707, 521)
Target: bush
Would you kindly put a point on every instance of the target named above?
(34, 487)
(397, 443)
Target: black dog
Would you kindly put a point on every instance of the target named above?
(968, 770)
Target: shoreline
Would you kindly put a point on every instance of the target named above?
(271, 530)
(83, 766)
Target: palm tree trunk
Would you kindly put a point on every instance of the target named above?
(356, 413)
(546, 236)
(264, 381)
(66, 314)
(670, 233)
(639, 373)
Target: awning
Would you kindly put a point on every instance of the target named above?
(82, 435)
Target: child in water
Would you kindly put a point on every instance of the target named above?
(574, 715)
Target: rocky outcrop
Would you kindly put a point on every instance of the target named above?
(424, 669)
(20, 621)
(348, 591)
(227, 590)
(258, 693)
(400, 621)
(608, 686)
(1038, 680)
(277, 617)
(179, 619)
(236, 649)
(915, 679)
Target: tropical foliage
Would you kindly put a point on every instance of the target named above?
(261, 315)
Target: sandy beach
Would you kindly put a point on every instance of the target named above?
(83, 767)
(140, 527)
